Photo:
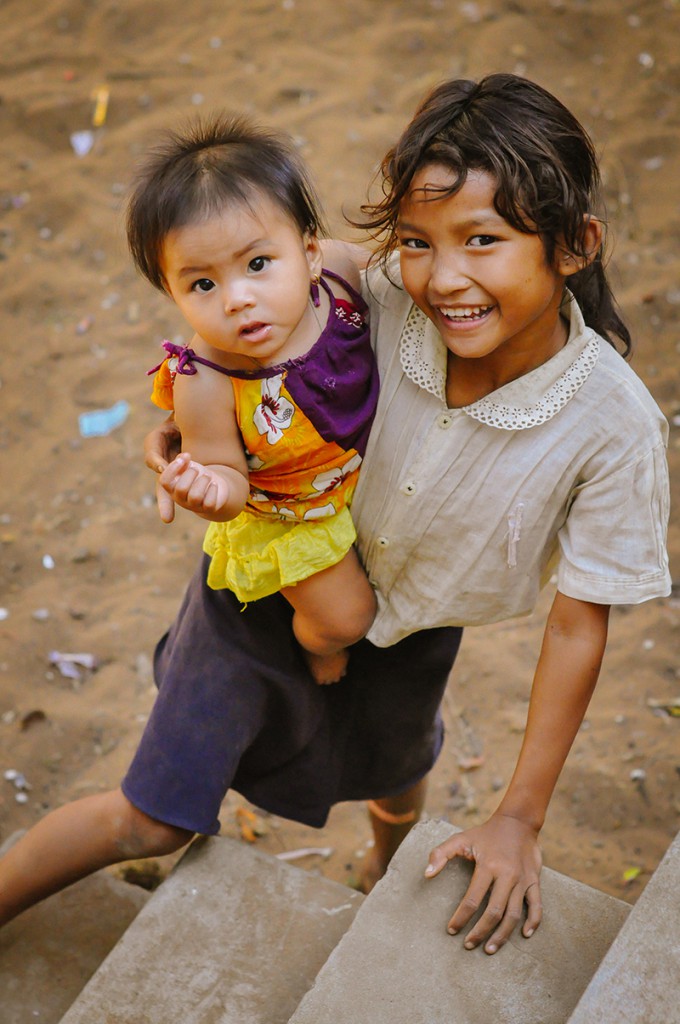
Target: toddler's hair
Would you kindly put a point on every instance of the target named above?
(195, 173)
(542, 158)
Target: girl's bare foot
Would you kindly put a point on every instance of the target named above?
(327, 668)
(373, 870)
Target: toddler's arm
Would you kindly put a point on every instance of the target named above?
(505, 848)
(212, 482)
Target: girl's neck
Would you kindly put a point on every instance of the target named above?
(469, 380)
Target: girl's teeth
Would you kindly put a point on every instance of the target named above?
(464, 313)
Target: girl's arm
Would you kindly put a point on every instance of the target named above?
(212, 481)
(505, 848)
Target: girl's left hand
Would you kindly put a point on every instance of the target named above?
(507, 866)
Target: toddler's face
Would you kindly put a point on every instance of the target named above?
(485, 285)
(241, 278)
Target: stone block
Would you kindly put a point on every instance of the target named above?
(637, 982)
(232, 936)
(398, 963)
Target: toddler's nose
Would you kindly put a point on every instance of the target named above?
(237, 297)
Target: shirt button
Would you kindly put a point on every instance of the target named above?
(409, 488)
(383, 542)
(444, 420)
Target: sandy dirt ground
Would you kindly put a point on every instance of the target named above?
(87, 568)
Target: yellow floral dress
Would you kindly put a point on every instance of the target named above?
(304, 424)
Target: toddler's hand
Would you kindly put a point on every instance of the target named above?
(195, 487)
(507, 868)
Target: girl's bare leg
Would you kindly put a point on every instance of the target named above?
(75, 840)
(334, 609)
(392, 818)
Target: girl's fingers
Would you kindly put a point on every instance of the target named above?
(482, 882)
(511, 917)
(166, 506)
(446, 851)
(534, 910)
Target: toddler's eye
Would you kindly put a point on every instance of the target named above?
(481, 240)
(258, 264)
(413, 243)
(204, 284)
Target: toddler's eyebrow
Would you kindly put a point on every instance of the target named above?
(257, 243)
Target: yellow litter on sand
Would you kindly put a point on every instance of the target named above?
(101, 105)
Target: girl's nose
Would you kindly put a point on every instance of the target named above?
(448, 275)
(237, 296)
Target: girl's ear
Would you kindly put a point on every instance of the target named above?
(569, 263)
(313, 253)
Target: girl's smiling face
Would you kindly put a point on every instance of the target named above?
(485, 285)
(241, 278)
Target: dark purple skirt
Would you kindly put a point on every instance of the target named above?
(237, 708)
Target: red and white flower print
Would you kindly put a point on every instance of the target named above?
(274, 414)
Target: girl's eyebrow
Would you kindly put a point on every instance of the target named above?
(479, 220)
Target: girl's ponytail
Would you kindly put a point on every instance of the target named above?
(591, 290)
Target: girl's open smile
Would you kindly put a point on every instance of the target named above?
(486, 286)
(465, 316)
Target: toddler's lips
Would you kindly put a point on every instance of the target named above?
(255, 331)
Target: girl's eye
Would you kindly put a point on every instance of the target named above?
(482, 240)
(413, 243)
(204, 284)
(258, 264)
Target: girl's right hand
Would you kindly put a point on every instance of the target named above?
(507, 861)
(197, 488)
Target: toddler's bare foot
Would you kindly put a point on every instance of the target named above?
(327, 668)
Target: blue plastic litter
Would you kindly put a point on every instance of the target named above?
(100, 422)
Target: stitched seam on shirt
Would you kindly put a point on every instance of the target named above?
(626, 581)
(514, 531)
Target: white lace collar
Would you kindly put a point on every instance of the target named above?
(526, 402)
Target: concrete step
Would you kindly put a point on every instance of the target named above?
(637, 982)
(232, 936)
(397, 963)
(49, 953)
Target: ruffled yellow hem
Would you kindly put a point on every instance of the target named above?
(254, 556)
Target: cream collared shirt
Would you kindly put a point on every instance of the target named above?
(463, 514)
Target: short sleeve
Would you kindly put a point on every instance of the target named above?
(162, 393)
(613, 543)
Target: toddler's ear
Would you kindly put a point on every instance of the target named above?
(568, 262)
(313, 253)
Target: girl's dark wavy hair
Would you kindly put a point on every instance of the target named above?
(197, 172)
(542, 158)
